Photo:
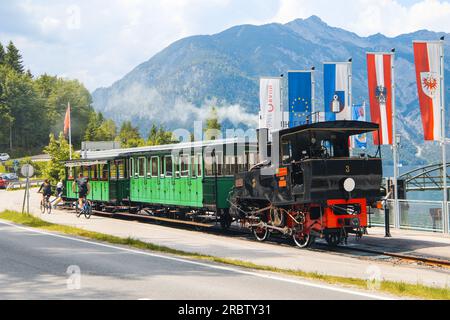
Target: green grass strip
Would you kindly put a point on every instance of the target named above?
(391, 287)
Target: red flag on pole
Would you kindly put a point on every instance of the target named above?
(427, 58)
(379, 70)
(67, 121)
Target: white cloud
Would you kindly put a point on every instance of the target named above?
(367, 17)
(100, 41)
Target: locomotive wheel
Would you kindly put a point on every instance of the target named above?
(333, 239)
(303, 240)
(261, 234)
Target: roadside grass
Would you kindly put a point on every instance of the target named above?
(396, 288)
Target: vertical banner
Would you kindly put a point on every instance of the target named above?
(359, 114)
(300, 97)
(271, 115)
(337, 90)
(379, 72)
(427, 58)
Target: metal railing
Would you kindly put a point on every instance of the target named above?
(417, 215)
(22, 184)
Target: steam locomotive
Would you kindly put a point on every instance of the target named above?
(310, 186)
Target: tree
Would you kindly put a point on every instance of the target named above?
(26, 123)
(13, 58)
(2, 54)
(59, 151)
(159, 136)
(213, 126)
(129, 136)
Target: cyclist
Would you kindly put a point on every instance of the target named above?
(59, 193)
(84, 188)
(46, 190)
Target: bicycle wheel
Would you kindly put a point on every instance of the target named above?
(88, 210)
(78, 211)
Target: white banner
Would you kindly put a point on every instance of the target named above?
(271, 115)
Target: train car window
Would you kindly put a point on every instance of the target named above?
(93, 173)
(141, 167)
(209, 166)
(219, 163)
(114, 169)
(131, 167)
(193, 167)
(241, 163)
(85, 171)
(121, 169)
(155, 167)
(70, 173)
(104, 172)
(184, 165)
(230, 165)
(286, 151)
(168, 166)
(199, 165)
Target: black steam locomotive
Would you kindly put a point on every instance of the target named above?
(308, 185)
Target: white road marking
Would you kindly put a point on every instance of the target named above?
(211, 266)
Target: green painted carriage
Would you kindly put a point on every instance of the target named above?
(190, 178)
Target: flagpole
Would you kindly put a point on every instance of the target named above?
(313, 94)
(70, 131)
(444, 148)
(394, 143)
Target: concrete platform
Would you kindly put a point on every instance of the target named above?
(271, 254)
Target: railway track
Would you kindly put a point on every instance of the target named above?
(245, 234)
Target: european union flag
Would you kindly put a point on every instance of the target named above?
(300, 97)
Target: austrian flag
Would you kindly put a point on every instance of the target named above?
(427, 58)
(379, 70)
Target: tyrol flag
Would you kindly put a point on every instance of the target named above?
(379, 71)
(300, 97)
(427, 58)
(67, 123)
(337, 90)
(270, 104)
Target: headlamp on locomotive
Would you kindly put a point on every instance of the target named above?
(310, 186)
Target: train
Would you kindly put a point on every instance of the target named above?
(301, 183)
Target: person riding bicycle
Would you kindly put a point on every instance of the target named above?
(84, 188)
(59, 194)
(46, 190)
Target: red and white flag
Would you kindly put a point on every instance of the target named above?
(67, 123)
(379, 70)
(427, 58)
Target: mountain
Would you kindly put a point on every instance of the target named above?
(180, 83)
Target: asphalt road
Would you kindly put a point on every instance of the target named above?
(37, 265)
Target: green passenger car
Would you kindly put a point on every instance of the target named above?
(190, 178)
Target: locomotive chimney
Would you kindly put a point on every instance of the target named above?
(263, 139)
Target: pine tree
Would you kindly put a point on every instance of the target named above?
(213, 126)
(2, 54)
(13, 58)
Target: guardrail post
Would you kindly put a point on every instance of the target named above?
(387, 224)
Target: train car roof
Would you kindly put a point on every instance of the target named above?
(117, 153)
(343, 126)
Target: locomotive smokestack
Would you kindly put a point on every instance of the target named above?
(263, 139)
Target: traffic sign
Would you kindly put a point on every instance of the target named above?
(27, 170)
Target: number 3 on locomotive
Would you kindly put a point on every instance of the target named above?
(347, 169)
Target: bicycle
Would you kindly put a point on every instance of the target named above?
(86, 209)
(46, 205)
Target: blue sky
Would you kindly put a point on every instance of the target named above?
(99, 41)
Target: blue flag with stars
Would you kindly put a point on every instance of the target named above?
(300, 97)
